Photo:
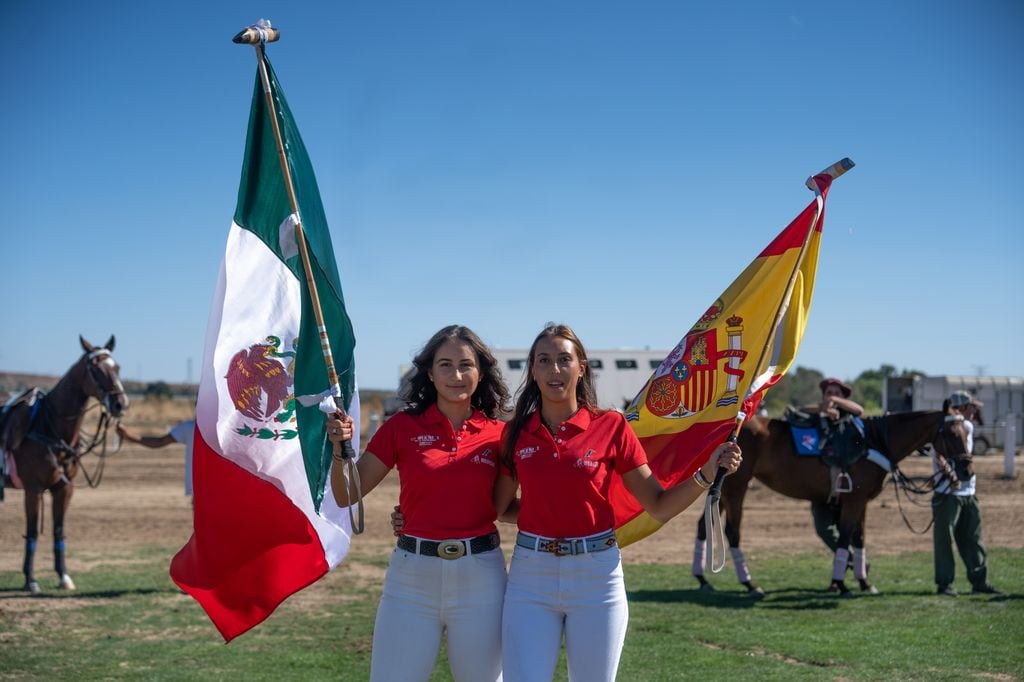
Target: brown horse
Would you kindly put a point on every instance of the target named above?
(769, 454)
(42, 432)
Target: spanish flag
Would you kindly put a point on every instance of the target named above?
(690, 404)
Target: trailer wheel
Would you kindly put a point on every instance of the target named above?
(980, 445)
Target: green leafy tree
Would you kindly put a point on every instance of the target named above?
(798, 387)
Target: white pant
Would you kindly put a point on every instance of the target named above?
(425, 595)
(583, 596)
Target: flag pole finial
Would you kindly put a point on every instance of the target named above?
(833, 171)
(258, 33)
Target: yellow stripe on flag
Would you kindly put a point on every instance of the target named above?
(690, 403)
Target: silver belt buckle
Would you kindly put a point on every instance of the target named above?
(451, 549)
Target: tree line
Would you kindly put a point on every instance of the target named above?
(800, 387)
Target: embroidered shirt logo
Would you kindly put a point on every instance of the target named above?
(485, 457)
(527, 452)
(425, 440)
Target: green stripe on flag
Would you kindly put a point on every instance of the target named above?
(262, 207)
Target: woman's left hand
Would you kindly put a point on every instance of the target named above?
(728, 456)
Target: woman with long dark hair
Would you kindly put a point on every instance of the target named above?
(447, 572)
(565, 578)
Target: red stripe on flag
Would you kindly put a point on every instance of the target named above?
(251, 547)
(673, 458)
(795, 233)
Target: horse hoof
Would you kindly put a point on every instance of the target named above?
(32, 587)
(706, 587)
(839, 587)
(66, 583)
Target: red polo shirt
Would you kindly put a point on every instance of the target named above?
(447, 478)
(564, 478)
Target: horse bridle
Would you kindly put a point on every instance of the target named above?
(93, 358)
(909, 486)
(57, 446)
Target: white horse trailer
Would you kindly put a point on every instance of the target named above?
(619, 373)
(1003, 399)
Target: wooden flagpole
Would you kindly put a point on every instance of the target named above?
(258, 35)
(712, 513)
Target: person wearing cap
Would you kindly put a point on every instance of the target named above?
(955, 509)
(835, 404)
(835, 399)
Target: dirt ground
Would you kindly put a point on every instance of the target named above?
(141, 502)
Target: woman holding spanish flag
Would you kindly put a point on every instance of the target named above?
(565, 578)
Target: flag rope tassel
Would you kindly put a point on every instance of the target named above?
(715, 561)
(344, 449)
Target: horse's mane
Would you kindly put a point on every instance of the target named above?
(899, 434)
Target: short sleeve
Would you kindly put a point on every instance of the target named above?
(630, 453)
(384, 443)
(182, 431)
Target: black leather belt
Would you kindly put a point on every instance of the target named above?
(449, 549)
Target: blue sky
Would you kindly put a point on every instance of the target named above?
(609, 165)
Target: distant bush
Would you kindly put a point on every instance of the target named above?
(158, 390)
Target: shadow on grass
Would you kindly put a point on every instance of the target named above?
(18, 593)
(793, 598)
(777, 599)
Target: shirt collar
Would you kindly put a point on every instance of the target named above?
(475, 422)
(578, 422)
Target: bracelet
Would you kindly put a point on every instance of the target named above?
(339, 456)
(700, 480)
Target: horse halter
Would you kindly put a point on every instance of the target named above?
(95, 358)
(951, 437)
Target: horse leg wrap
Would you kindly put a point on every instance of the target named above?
(58, 556)
(742, 573)
(839, 564)
(30, 555)
(860, 563)
(699, 551)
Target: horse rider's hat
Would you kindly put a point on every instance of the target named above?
(962, 398)
(832, 381)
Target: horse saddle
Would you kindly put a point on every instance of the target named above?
(839, 443)
(16, 417)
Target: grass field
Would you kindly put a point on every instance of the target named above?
(128, 621)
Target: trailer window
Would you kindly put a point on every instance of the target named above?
(625, 364)
(595, 363)
(516, 364)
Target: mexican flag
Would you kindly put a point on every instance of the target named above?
(689, 405)
(265, 524)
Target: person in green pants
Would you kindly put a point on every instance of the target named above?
(956, 513)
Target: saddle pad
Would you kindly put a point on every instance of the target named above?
(12, 471)
(806, 441)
